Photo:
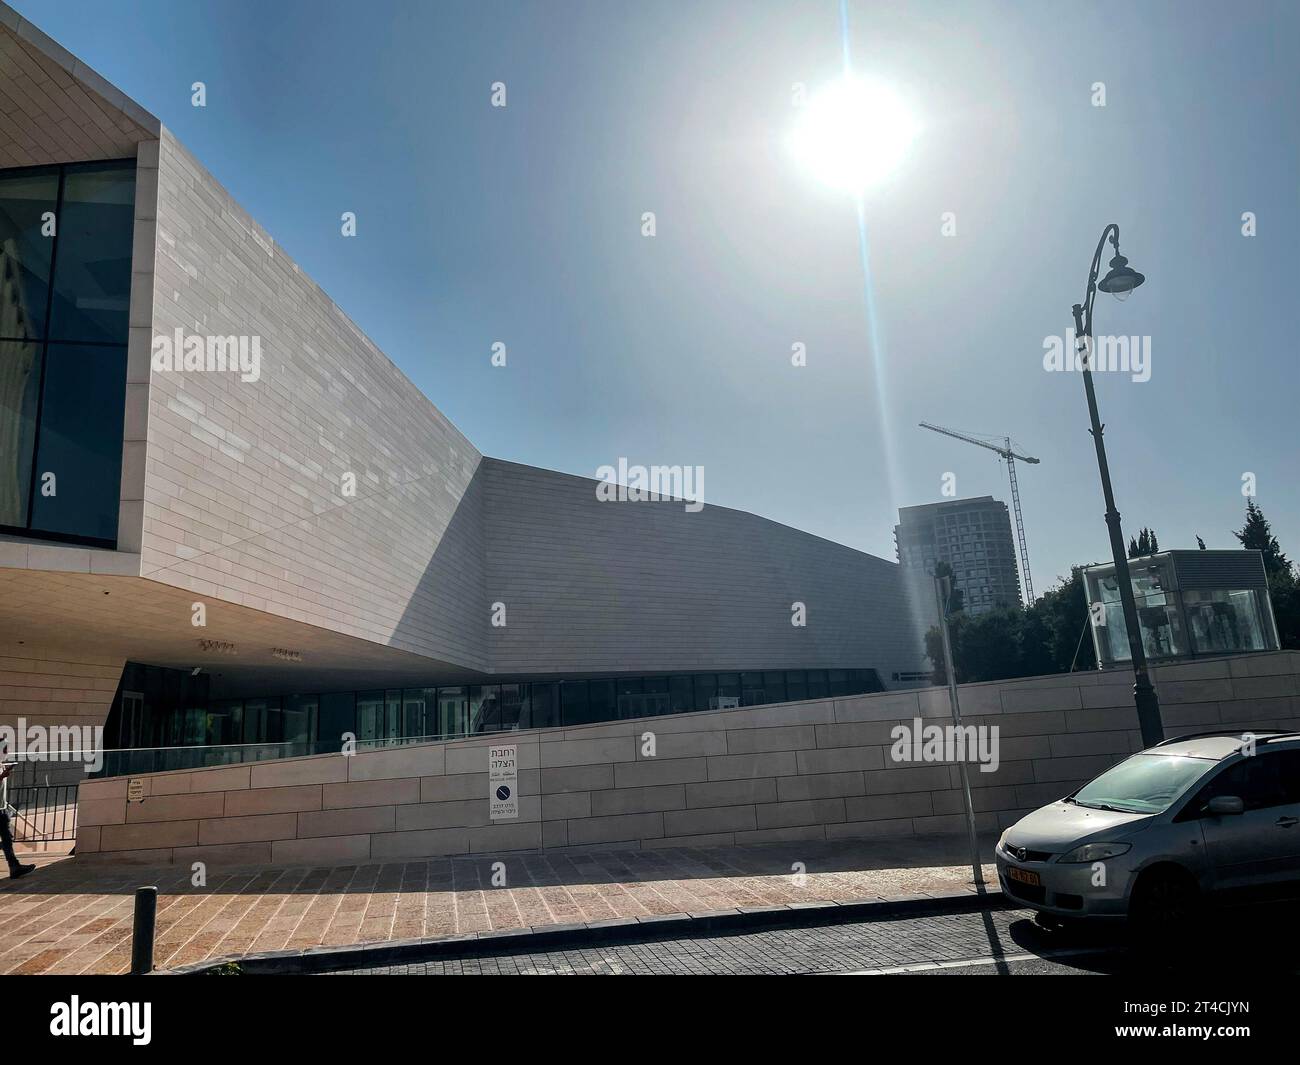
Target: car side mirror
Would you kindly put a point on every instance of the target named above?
(1225, 806)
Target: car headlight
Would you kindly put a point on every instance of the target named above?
(1095, 852)
(1002, 839)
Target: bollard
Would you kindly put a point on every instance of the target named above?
(146, 914)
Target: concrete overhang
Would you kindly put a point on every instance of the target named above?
(93, 601)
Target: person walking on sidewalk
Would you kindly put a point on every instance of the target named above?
(16, 868)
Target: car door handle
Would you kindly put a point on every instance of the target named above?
(1287, 822)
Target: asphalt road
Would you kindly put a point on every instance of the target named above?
(995, 943)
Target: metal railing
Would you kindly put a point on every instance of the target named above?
(39, 812)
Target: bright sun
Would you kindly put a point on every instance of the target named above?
(853, 134)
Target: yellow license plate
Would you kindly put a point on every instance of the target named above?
(1024, 876)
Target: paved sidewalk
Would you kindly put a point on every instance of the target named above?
(74, 916)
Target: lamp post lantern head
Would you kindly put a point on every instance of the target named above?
(1121, 279)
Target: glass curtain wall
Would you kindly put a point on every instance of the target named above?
(65, 285)
(318, 723)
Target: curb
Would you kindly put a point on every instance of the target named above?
(623, 929)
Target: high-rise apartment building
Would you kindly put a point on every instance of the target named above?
(974, 537)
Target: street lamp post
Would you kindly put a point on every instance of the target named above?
(1119, 281)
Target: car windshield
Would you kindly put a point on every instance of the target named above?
(1143, 784)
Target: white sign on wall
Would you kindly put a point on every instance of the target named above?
(135, 789)
(503, 782)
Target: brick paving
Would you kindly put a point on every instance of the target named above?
(74, 916)
(932, 940)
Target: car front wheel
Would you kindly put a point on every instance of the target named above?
(1165, 901)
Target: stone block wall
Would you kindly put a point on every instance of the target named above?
(814, 770)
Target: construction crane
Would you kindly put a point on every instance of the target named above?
(1010, 456)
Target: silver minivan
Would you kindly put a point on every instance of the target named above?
(1212, 815)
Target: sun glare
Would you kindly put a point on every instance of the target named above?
(853, 134)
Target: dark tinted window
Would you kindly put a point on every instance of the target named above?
(601, 705)
(92, 266)
(543, 706)
(25, 252)
(80, 441)
(20, 386)
(300, 718)
(511, 704)
(706, 687)
(338, 714)
(573, 702)
(681, 698)
(796, 685)
(1260, 781)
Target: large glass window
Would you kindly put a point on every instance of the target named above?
(573, 702)
(601, 704)
(751, 689)
(1222, 622)
(66, 236)
(419, 711)
(338, 715)
(300, 718)
(20, 392)
(543, 707)
(512, 704)
(79, 453)
(370, 716)
(28, 202)
(92, 261)
(681, 698)
(453, 712)
(485, 707)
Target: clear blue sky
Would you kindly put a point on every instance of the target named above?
(523, 225)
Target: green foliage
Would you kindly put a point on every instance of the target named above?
(1145, 544)
(1043, 638)
(1001, 644)
(1257, 535)
(1283, 587)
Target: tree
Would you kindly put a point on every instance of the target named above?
(1000, 644)
(1145, 544)
(1257, 535)
(1283, 587)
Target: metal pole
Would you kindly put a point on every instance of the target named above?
(942, 594)
(142, 930)
(1144, 695)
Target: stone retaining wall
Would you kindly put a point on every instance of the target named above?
(811, 770)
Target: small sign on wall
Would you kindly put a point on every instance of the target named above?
(503, 782)
(135, 789)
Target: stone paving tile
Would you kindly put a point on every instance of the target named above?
(879, 943)
(75, 917)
